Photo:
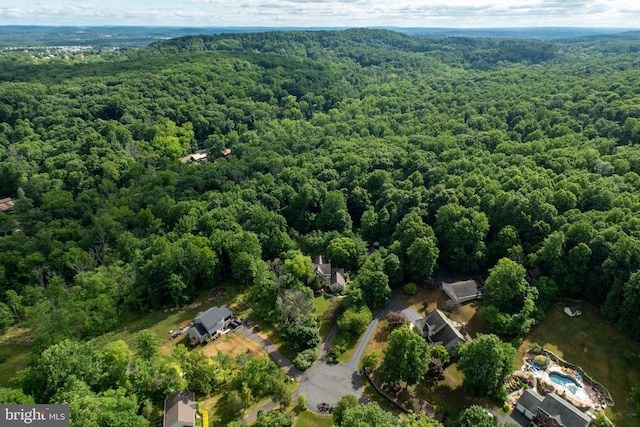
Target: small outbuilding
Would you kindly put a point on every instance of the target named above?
(6, 204)
(574, 311)
(463, 291)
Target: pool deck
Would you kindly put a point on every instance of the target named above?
(585, 396)
(581, 396)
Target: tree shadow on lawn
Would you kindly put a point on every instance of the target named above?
(451, 400)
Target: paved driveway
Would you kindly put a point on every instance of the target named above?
(325, 382)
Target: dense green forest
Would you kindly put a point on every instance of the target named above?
(464, 154)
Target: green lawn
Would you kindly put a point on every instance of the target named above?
(598, 347)
(448, 394)
(309, 419)
(321, 304)
(17, 358)
(352, 343)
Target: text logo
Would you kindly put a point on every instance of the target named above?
(34, 415)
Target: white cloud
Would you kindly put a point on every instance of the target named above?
(431, 13)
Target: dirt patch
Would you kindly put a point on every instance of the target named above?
(234, 344)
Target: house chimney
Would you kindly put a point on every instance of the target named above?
(463, 329)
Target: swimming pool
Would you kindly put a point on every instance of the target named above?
(568, 383)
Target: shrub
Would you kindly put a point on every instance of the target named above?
(535, 348)
(396, 319)
(305, 359)
(506, 407)
(372, 359)
(629, 356)
(302, 402)
(334, 352)
(451, 306)
(410, 289)
(541, 360)
(441, 353)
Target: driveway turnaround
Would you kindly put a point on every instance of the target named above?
(325, 383)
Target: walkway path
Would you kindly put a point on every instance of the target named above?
(272, 350)
(325, 382)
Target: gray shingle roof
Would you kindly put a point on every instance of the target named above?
(180, 409)
(440, 330)
(464, 289)
(530, 400)
(564, 412)
(213, 319)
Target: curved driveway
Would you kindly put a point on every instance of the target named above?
(327, 383)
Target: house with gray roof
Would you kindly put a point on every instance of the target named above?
(180, 409)
(209, 323)
(463, 291)
(327, 273)
(438, 329)
(528, 403)
(551, 411)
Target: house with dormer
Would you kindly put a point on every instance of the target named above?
(438, 329)
(330, 276)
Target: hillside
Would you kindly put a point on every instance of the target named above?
(459, 150)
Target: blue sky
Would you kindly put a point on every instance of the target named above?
(327, 13)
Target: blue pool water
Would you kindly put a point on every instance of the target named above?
(566, 382)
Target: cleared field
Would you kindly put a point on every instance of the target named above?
(234, 344)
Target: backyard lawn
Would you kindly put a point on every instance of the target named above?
(599, 348)
(447, 394)
(309, 419)
(232, 345)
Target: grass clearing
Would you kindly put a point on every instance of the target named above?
(379, 339)
(309, 419)
(233, 345)
(598, 347)
(448, 394)
(18, 356)
(321, 304)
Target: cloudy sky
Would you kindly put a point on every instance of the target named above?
(327, 13)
